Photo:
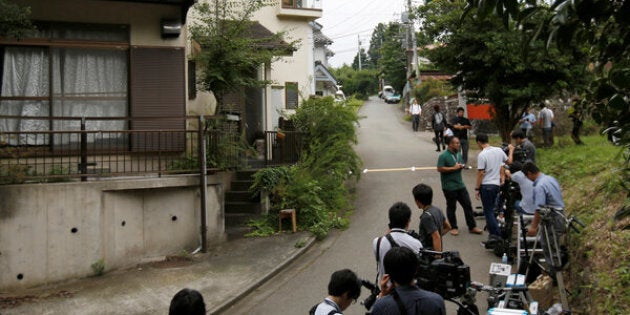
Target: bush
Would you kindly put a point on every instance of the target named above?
(317, 186)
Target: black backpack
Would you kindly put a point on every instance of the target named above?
(312, 310)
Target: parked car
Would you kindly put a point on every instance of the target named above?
(392, 98)
(387, 89)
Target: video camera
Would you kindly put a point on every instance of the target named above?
(447, 276)
(519, 154)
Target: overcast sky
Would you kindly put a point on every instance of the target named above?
(347, 21)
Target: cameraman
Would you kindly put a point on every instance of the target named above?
(343, 289)
(397, 235)
(525, 148)
(399, 293)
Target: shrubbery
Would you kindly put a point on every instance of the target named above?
(317, 186)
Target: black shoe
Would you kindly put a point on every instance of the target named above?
(438, 150)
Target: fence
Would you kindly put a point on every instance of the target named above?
(91, 152)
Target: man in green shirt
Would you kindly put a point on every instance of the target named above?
(450, 165)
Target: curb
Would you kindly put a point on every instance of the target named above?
(227, 304)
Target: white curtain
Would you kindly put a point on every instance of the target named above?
(25, 74)
(86, 83)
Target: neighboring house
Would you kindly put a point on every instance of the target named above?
(293, 76)
(325, 82)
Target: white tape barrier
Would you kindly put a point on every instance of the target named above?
(401, 169)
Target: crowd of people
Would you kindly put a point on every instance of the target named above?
(396, 252)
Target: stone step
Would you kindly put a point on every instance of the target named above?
(242, 207)
(241, 196)
(241, 185)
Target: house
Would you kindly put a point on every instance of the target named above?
(293, 76)
(99, 66)
(325, 82)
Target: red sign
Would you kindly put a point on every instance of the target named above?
(480, 111)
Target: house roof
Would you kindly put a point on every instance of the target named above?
(322, 74)
(266, 39)
(184, 4)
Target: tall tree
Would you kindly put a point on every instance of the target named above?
(392, 64)
(231, 52)
(494, 63)
(365, 62)
(376, 42)
(603, 26)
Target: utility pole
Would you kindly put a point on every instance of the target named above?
(359, 39)
(411, 28)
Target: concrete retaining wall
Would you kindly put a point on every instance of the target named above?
(54, 232)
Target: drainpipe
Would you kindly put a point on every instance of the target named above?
(203, 184)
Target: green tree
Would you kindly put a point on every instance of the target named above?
(603, 26)
(497, 64)
(359, 83)
(376, 42)
(431, 88)
(230, 52)
(365, 62)
(14, 20)
(393, 61)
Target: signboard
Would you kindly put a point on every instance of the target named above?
(480, 111)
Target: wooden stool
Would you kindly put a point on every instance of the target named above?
(285, 214)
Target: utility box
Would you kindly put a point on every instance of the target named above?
(499, 274)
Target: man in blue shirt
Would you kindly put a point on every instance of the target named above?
(344, 288)
(547, 192)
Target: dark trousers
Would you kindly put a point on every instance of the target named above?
(461, 196)
(489, 195)
(547, 136)
(439, 138)
(415, 121)
(464, 147)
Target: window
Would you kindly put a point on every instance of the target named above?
(51, 79)
(291, 90)
(192, 79)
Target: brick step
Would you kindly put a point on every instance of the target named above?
(245, 174)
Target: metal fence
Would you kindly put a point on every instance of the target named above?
(85, 153)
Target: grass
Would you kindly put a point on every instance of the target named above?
(592, 182)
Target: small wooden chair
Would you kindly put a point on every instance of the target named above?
(285, 214)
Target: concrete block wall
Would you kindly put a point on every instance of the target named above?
(55, 232)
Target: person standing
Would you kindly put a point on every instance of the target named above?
(576, 117)
(432, 222)
(526, 149)
(450, 165)
(545, 120)
(344, 288)
(415, 110)
(461, 125)
(490, 177)
(397, 236)
(527, 121)
(438, 122)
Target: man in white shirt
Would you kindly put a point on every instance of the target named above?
(545, 120)
(415, 110)
(490, 177)
(397, 236)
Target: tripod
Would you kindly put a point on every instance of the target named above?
(550, 234)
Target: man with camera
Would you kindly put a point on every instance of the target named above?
(344, 288)
(399, 293)
(397, 235)
(524, 151)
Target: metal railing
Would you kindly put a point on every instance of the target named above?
(82, 154)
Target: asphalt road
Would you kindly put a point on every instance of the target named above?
(386, 141)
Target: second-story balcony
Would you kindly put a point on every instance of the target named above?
(301, 9)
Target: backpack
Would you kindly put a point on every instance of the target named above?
(312, 310)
